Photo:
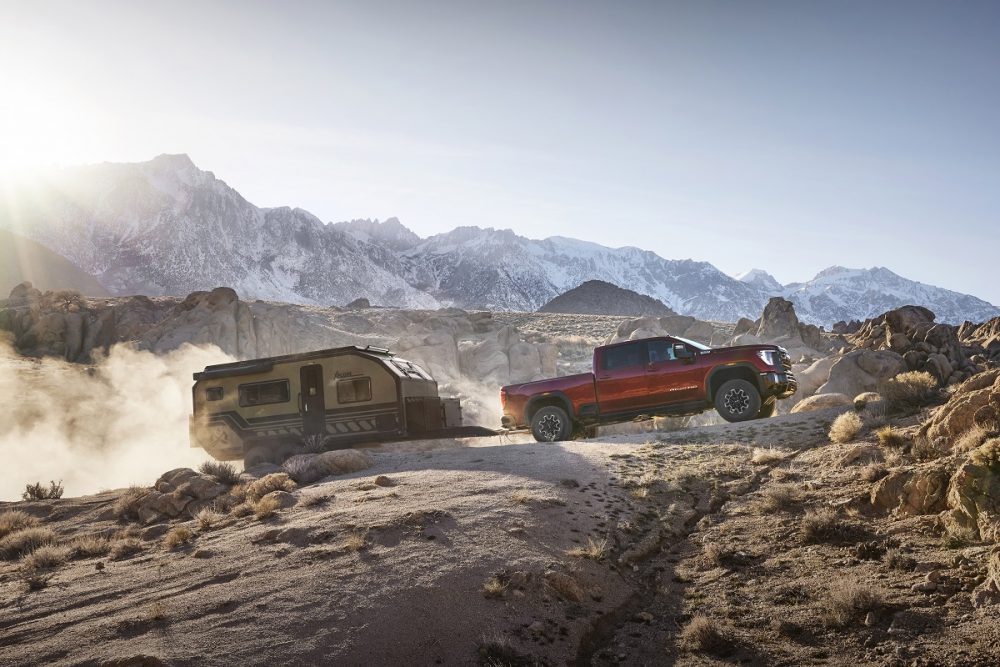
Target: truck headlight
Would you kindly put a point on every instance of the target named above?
(769, 357)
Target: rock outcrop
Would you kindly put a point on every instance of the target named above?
(178, 492)
(779, 325)
(861, 371)
(912, 490)
(958, 415)
(974, 496)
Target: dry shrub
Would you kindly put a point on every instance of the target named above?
(704, 635)
(848, 601)
(908, 392)
(207, 519)
(21, 542)
(926, 449)
(127, 504)
(224, 473)
(970, 439)
(494, 588)
(122, 549)
(890, 438)
(521, 497)
(177, 536)
(47, 557)
(823, 525)
(276, 481)
(38, 492)
(242, 509)
(593, 550)
(874, 472)
(896, 560)
(987, 454)
(497, 650)
(265, 508)
(777, 497)
(766, 456)
(35, 580)
(356, 541)
(846, 427)
(89, 546)
(314, 499)
(157, 612)
(13, 520)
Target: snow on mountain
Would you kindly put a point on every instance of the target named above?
(760, 279)
(165, 227)
(838, 293)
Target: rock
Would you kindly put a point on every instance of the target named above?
(958, 414)
(343, 461)
(525, 363)
(284, 498)
(912, 491)
(217, 317)
(816, 375)
(861, 453)
(383, 480)
(744, 325)
(867, 398)
(821, 402)
(778, 320)
(359, 304)
(436, 351)
(565, 585)
(973, 497)
(938, 365)
(862, 370)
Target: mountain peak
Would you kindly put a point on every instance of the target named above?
(761, 279)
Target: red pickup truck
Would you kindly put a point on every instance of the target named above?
(665, 376)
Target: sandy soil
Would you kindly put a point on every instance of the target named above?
(504, 552)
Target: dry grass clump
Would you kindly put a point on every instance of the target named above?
(896, 560)
(925, 449)
(987, 454)
(38, 492)
(874, 472)
(47, 557)
(766, 456)
(207, 518)
(522, 497)
(846, 427)
(823, 525)
(849, 601)
(88, 546)
(35, 580)
(125, 548)
(314, 499)
(890, 438)
(970, 439)
(127, 504)
(777, 497)
(265, 508)
(704, 635)
(243, 509)
(356, 541)
(276, 481)
(13, 520)
(593, 550)
(224, 473)
(908, 392)
(177, 536)
(20, 542)
(494, 588)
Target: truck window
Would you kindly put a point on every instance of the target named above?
(213, 394)
(354, 390)
(624, 356)
(660, 350)
(264, 393)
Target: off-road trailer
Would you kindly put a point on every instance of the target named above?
(265, 409)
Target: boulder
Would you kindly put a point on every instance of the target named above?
(343, 461)
(744, 325)
(436, 351)
(815, 376)
(974, 495)
(958, 415)
(283, 498)
(525, 363)
(821, 402)
(217, 317)
(912, 491)
(175, 492)
(778, 320)
(862, 370)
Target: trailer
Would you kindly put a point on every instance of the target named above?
(265, 410)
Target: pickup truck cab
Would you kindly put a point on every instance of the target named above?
(664, 376)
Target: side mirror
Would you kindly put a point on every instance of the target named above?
(684, 354)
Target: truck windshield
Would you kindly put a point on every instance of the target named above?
(695, 345)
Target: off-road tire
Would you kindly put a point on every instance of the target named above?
(737, 401)
(551, 424)
(768, 408)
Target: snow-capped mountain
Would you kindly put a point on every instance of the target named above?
(837, 294)
(760, 279)
(165, 227)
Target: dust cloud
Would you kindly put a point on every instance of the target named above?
(121, 421)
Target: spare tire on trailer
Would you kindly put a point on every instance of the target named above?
(550, 424)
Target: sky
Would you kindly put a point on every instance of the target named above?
(789, 136)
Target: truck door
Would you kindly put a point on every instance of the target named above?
(672, 375)
(312, 402)
(621, 378)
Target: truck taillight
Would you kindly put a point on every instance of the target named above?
(503, 398)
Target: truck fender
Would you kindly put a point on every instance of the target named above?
(746, 369)
(548, 398)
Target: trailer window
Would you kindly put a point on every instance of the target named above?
(213, 394)
(624, 356)
(354, 390)
(263, 393)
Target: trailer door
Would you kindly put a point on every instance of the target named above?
(312, 403)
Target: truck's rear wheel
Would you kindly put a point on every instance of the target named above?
(551, 423)
(737, 401)
(768, 408)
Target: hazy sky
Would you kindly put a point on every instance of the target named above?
(785, 135)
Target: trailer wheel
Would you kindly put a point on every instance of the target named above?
(768, 408)
(551, 423)
(737, 401)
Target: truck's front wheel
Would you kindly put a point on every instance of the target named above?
(551, 423)
(737, 401)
